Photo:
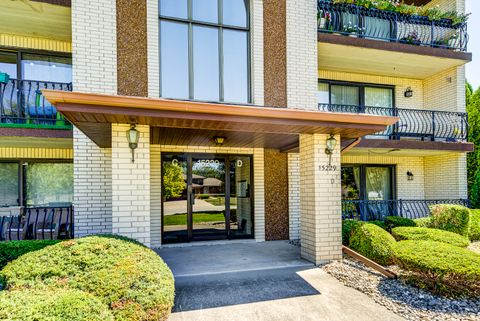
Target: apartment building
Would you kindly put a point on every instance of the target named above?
(204, 120)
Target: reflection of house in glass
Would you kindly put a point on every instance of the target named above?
(205, 185)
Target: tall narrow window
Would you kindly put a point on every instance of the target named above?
(204, 50)
(9, 186)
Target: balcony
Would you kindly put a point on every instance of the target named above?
(372, 210)
(382, 25)
(414, 123)
(22, 105)
(363, 40)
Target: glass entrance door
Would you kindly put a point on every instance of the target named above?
(206, 197)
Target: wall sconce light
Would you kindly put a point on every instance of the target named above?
(409, 92)
(331, 143)
(410, 176)
(132, 136)
(219, 140)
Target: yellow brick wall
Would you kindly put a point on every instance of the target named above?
(446, 90)
(405, 189)
(446, 176)
(401, 84)
(447, 5)
(35, 153)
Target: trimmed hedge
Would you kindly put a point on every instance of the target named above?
(379, 224)
(348, 226)
(132, 280)
(475, 225)
(423, 222)
(440, 267)
(452, 218)
(11, 250)
(57, 305)
(429, 234)
(373, 242)
(396, 221)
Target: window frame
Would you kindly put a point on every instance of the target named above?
(22, 174)
(363, 179)
(220, 26)
(20, 52)
(361, 92)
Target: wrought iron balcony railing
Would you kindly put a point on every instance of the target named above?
(23, 105)
(378, 210)
(38, 223)
(357, 21)
(425, 124)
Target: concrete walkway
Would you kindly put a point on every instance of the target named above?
(261, 282)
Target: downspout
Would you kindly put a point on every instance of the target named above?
(351, 145)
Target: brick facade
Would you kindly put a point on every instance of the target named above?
(320, 200)
(94, 70)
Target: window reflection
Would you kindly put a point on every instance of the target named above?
(49, 184)
(235, 66)
(46, 68)
(174, 59)
(8, 63)
(235, 13)
(174, 8)
(9, 184)
(205, 63)
(205, 10)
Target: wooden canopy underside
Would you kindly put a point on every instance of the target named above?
(176, 122)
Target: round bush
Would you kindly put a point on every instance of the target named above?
(48, 305)
(452, 218)
(440, 267)
(348, 226)
(131, 279)
(396, 221)
(429, 234)
(10, 250)
(475, 225)
(423, 222)
(373, 242)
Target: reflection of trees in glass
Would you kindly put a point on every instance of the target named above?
(8, 184)
(173, 181)
(49, 182)
(209, 170)
(350, 190)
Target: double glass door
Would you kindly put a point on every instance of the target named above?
(206, 197)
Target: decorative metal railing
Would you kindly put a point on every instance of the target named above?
(378, 210)
(39, 223)
(425, 124)
(358, 21)
(23, 105)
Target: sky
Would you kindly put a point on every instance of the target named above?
(473, 68)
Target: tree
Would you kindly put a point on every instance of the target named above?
(473, 159)
(173, 181)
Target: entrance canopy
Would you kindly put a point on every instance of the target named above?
(176, 122)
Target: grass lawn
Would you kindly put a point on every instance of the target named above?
(181, 219)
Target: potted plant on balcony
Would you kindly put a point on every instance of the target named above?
(411, 38)
(4, 77)
(350, 29)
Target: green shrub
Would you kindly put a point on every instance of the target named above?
(423, 222)
(9, 251)
(440, 267)
(131, 279)
(48, 305)
(348, 226)
(429, 234)
(396, 221)
(475, 225)
(452, 218)
(379, 224)
(373, 242)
